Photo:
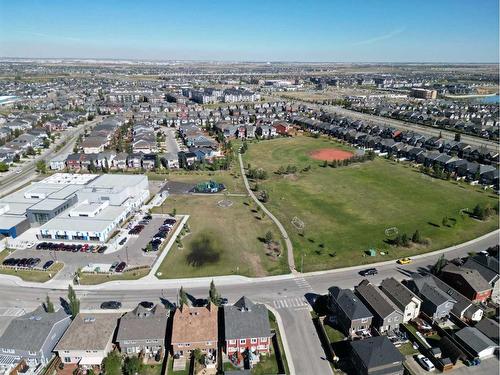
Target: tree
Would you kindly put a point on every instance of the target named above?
(325, 164)
(213, 294)
(479, 212)
(149, 247)
(416, 238)
(445, 222)
(41, 166)
(74, 302)
(183, 300)
(405, 241)
(132, 365)
(3, 167)
(439, 265)
(269, 237)
(174, 211)
(49, 306)
(112, 364)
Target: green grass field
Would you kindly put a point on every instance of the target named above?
(346, 210)
(221, 241)
(96, 278)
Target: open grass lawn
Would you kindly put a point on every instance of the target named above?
(346, 210)
(221, 241)
(267, 365)
(96, 278)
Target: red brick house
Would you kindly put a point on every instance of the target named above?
(246, 331)
(283, 128)
(467, 281)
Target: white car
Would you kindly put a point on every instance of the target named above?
(425, 362)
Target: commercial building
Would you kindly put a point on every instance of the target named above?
(423, 93)
(73, 206)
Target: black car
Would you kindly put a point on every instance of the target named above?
(368, 272)
(123, 240)
(200, 302)
(47, 264)
(111, 305)
(147, 305)
(120, 267)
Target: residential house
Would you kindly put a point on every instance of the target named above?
(402, 297)
(435, 302)
(120, 161)
(32, 337)
(94, 144)
(386, 315)
(487, 266)
(88, 340)
(195, 328)
(476, 342)
(376, 355)
(246, 328)
(467, 281)
(58, 163)
(349, 313)
(490, 329)
(143, 331)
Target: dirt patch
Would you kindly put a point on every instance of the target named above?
(273, 250)
(330, 154)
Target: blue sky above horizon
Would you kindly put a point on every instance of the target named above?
(254, 30)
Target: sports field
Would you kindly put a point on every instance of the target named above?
(222, 240)
(347, 210)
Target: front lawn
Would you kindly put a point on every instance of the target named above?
(222, 240)
(333, 334)
(347, 210)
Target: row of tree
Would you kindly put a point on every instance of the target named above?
(370, 155)
(484, 211)
(404, 240)
(257, 173)
(289, 169)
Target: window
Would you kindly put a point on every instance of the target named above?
(254, 341)
(32, 353)
(263, 339)
(232, 342)
(364, 320)
(67, 359)
(243, 341)
(208, 343)
(389, 320)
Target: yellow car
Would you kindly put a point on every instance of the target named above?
(404, 261)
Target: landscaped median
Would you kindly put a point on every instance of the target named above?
(94, 278)
(30, 275)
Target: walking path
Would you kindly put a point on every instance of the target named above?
(289, 246)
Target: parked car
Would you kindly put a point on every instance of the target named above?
(47, 264)
(120, 267)
(147, 304)
(113, 266)
(368, 272)
(111, 305)
(122, 241)
(425, 362)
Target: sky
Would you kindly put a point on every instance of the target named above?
(253, 30)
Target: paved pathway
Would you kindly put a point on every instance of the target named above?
(289, 246)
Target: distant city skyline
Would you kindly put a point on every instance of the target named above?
(446, 31)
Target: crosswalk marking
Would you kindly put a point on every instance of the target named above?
(294, 302)
(303, 283)
(11, 311)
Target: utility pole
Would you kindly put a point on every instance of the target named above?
(126, 252)
(302, 263)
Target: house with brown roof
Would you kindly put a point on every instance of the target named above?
(195, 328)
(88, 340)
(467, 281)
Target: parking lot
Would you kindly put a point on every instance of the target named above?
(131, 252)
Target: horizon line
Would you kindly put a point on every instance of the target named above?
(117, 59)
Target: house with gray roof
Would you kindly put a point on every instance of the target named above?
(377, 356)
(435, 302)
(402, 297)
(347, 311)
(143, 331)
(386, 315)
(246, 328)
(33, 336)
(475, 342)
(488, 267)
(490, 329)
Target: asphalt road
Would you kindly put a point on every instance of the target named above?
(288, 295)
